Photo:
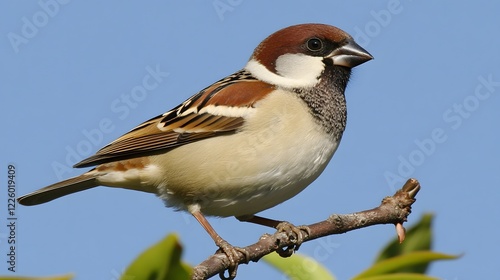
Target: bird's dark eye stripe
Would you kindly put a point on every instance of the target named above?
(314, 44)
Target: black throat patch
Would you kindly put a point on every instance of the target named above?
(326, 100)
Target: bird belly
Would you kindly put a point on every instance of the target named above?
(250, 171)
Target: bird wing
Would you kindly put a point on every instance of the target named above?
(219, 109)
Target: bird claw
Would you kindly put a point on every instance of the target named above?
(232, 254)
(296, 234)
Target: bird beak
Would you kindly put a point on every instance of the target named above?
(350, 55)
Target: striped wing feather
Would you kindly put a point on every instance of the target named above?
(185, 123)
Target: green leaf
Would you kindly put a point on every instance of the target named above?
(418, 238)
(299, 267)
(401, 276)
(60, 277)
(395, 264)
(162, 261)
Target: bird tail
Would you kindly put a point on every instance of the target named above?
(76, 184)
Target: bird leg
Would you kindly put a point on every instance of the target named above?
(230, 251)
(294, 233)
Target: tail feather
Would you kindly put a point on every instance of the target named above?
(69, 186)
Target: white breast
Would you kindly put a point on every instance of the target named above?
(279, 152)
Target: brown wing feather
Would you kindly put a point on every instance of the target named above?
(185, 124)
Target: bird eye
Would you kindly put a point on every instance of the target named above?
(314, 44)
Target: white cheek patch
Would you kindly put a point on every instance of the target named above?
(300, 67)
(294, 70)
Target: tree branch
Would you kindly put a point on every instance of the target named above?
(393, 210)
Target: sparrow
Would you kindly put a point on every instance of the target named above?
(246, 143)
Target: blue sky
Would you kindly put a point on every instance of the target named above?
(72, 80)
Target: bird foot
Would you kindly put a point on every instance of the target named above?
(232, 254)
(296, 234)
